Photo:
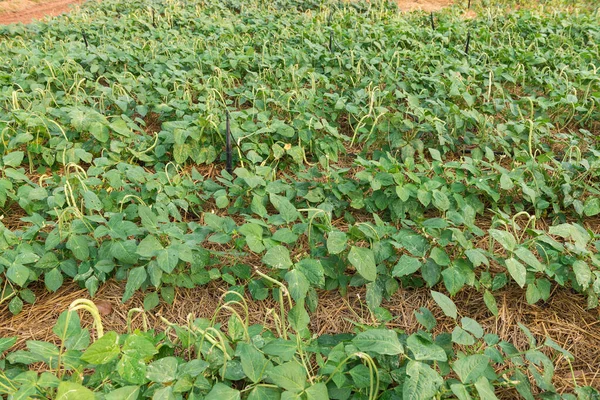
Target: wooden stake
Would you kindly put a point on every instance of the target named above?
(85, 38)
(432, 22)
(229, 165)
(468, 41)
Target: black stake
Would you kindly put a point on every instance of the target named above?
(432, 23)
(468, 41)
(229, 165)
(469, 5)
(154, 20)
(331, 41)
(329, 18)
(85, 38)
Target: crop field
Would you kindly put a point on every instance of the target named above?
(286, 199)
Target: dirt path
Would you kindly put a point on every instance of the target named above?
(25, 11)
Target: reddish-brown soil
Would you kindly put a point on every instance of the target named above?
(424, 5)
(25, 11)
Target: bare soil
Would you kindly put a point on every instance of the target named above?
(424, 5)
(26, 11)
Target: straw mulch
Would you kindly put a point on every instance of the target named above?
(563, 318)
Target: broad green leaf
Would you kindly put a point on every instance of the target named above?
(460, 391)
(92, 201)
(406, 266)
(124, 251)
(318, 391)
(364, 261)
(253, 362)
(336, 242)
(223, 392)
(529, 258)
(439, 256)
(447, 305)
(424, 349)
(78, 244)
(470, 368)
(135, 279)
(485, 389)
(73, 391)
(18, 274)
(423, 384)
(103, 350)
(298, 317)
(462, 337)
(7, 342)
(162, 370)
(53, 279)
(264, 393)
(380, 341)
(592, 206)
(277, 257)
(149, 246)
(124, 393)
(290, 376)
(13, 159)
(47, 261)
(582, 272)
(490, 302)
(506, 239)
(138, 346)
(312, 270)
(517, 271)
(454, 279)
(297, 284)
(285, 207)
(425, 318)
(472, 326)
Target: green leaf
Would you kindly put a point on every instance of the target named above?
(423, 384)
(285, 207)
(312, 270)
(460, 391)
(297, 284)
(447, 305)
(149, 247)
(223, 392)
(124, 251)
(162, 370)
(13, 159)
(135, 279)
(506, 239)
(103, 350)
(529, 258)
(53, 279)
(47, 261)
(439, 256)
(290, 376)
(318, 391)
(470, 368)
(380, 341)
(591, 206)
(138, 346)
(336, 242)
(298, 317)
(462, 337)
(490, 302)
(423, 349)
(7, 342)
(425, 318)
(582, 272)
(406, 266)
(99, 131)
(364, 261)
(124, 393)
(485, 389)
(253, 362)
(18, 273)
(264, 393)
(454, 279)
(92, 201)
(73, 391)
(78, 244)
(517, 271)
(472, 326)
(277, 257)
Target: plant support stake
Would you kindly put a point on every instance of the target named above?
(229, 165)
(468, 41)
(469, 5)
(432, 22)
(331, 41)
(153, 19)
(85, 39)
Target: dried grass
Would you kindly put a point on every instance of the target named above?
(563, 318)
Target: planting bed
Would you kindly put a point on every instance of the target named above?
(301, 199)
